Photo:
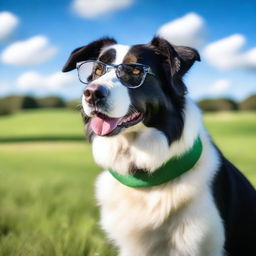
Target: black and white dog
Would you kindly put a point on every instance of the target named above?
(167, 190)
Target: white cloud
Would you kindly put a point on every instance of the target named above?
(188, 30)
(8, 23)
(94, 8)
(42, 84)
(30, 52)
(220, 87)
(227, 53)
(65, 85)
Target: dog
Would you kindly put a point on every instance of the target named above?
(167, 189)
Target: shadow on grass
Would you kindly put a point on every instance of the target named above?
(41, 139)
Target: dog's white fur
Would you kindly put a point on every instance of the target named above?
(178, 218)
(118, 100)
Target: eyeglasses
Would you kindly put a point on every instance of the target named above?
(131, 75)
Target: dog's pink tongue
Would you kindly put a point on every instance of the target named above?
(103, 126)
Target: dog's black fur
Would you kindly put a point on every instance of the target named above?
(236, 200)
(163, 109)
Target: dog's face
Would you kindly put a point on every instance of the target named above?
(118, 97)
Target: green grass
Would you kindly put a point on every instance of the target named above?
(46, 188)
(46, 200)
(235, 135)
(61, 124)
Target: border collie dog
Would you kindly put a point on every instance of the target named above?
(167, 190)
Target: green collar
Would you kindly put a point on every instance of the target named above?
(172, 169)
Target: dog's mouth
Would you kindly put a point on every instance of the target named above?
(104, 125)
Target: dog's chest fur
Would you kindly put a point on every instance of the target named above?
(173, 219)
(177, 218)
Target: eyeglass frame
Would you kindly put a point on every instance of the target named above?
(146, 69)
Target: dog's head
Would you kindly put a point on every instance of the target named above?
(146, 88)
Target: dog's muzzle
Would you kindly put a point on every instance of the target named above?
(95, 94)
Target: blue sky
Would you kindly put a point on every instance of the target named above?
(137, 21)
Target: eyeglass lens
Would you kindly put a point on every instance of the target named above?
(131, 75)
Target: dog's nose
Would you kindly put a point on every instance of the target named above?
(95, 93)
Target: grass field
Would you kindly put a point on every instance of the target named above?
(47, 174)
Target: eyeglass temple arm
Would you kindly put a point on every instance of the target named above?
(151, 72)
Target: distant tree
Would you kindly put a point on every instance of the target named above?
(220, 104)
(10, 104)
(29, 102)
(74, 104)
(249, 103)
(51, 102)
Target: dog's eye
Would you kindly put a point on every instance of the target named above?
(98, 71)
(136, 71)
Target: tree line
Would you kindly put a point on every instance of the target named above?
(226, 104)
(14, 103)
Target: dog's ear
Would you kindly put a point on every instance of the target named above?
(179, 58)
(90, 51)
(176, 61)
(187, 57)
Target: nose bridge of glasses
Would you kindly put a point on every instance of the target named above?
(113, 68)
(109, 67)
